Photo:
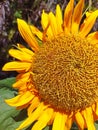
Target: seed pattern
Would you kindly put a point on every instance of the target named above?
(65, 72)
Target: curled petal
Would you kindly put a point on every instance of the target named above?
(22, 80)
(88, 23)
(93, 37)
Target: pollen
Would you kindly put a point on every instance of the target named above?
(65, 72)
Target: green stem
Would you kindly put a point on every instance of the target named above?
(90, 4)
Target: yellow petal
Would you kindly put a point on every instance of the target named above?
(59, 121)
(52, 119)
(88, 13)
(24, 49)
(53, 24)
(88, 116)
(45, 23)
(23, 106)
(80, 120)
(20, 55)
(33, 105)
(59, 20)
(25, 76)
(44, 20)
(93, 37)
(20, 83)
(33, 117)
(17, 66)
(36, 32)
(96, 109)
(43, 119)
(27, 34)
(69, 122)
(88, 23)
(68, 16)
(77, 15)
(20, 99)
(22, 80)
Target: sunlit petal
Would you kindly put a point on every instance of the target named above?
(93, 37)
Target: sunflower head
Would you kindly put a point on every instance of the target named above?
(58, 81)
(65, 74)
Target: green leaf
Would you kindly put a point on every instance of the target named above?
(7, 113)
(96, 125)
(47, 128)
(18, 14)
(7, 82)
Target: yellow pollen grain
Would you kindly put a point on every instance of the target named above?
(65, 73)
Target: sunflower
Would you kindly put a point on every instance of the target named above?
(57, 81)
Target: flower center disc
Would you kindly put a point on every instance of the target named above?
(66, 73)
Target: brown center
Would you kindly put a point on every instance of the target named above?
(66, 72)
